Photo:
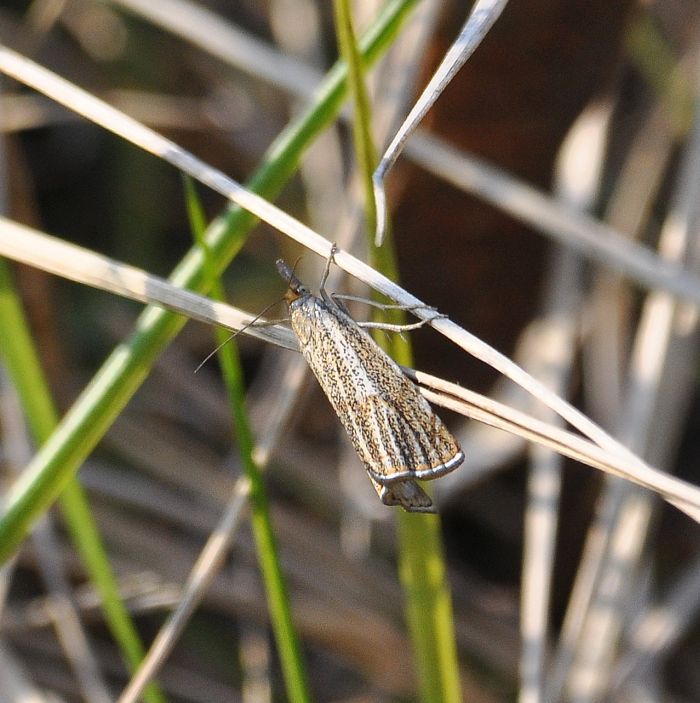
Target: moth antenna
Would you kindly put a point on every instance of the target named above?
(236, 333)
(296, 263)
(216, 349)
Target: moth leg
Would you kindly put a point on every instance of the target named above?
(386, 306)
(340, 305)
(387, 327)
(338, 298)
(326, 271)
(266, 323)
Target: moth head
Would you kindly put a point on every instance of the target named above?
(296, 288)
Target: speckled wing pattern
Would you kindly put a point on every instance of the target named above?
(391, 426)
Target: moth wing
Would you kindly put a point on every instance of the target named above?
(391, 426)
(402, 443)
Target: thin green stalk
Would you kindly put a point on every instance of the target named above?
(19, 355)
(429, 607)
(654, 58)
(365, 151)
(126, 368)
(266, 545)
(421, 558)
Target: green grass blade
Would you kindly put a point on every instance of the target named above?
(266, 545)
(126, 368)
(86, 538)
(19, 355)
(429, 607)
(20, 358)
(421, 559)
(365, 151)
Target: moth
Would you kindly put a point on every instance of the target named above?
(393, 429)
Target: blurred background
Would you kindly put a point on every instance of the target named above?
(592, 103)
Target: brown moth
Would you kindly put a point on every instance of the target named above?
(392, 427)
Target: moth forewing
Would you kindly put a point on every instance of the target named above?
(391, 426)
